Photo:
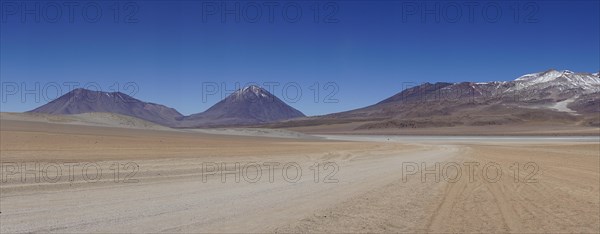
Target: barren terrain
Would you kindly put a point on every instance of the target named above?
(171, 181)
(523, 129)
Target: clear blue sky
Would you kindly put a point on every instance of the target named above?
(370, 49)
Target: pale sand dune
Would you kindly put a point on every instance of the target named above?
(369, 195)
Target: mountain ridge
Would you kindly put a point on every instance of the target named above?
(551, 95)
(263, 107)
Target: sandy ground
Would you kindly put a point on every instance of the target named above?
(172, 181)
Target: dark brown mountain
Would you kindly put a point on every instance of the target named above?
(85, 101)
(247, 106)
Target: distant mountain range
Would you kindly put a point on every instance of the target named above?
(550, 96)
(247, 106)
(537, 90)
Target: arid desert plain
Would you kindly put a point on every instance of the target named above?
(66, 176)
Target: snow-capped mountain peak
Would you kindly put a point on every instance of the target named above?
(541, 76)
(253, 89)
(528, 77)
(565, 79)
